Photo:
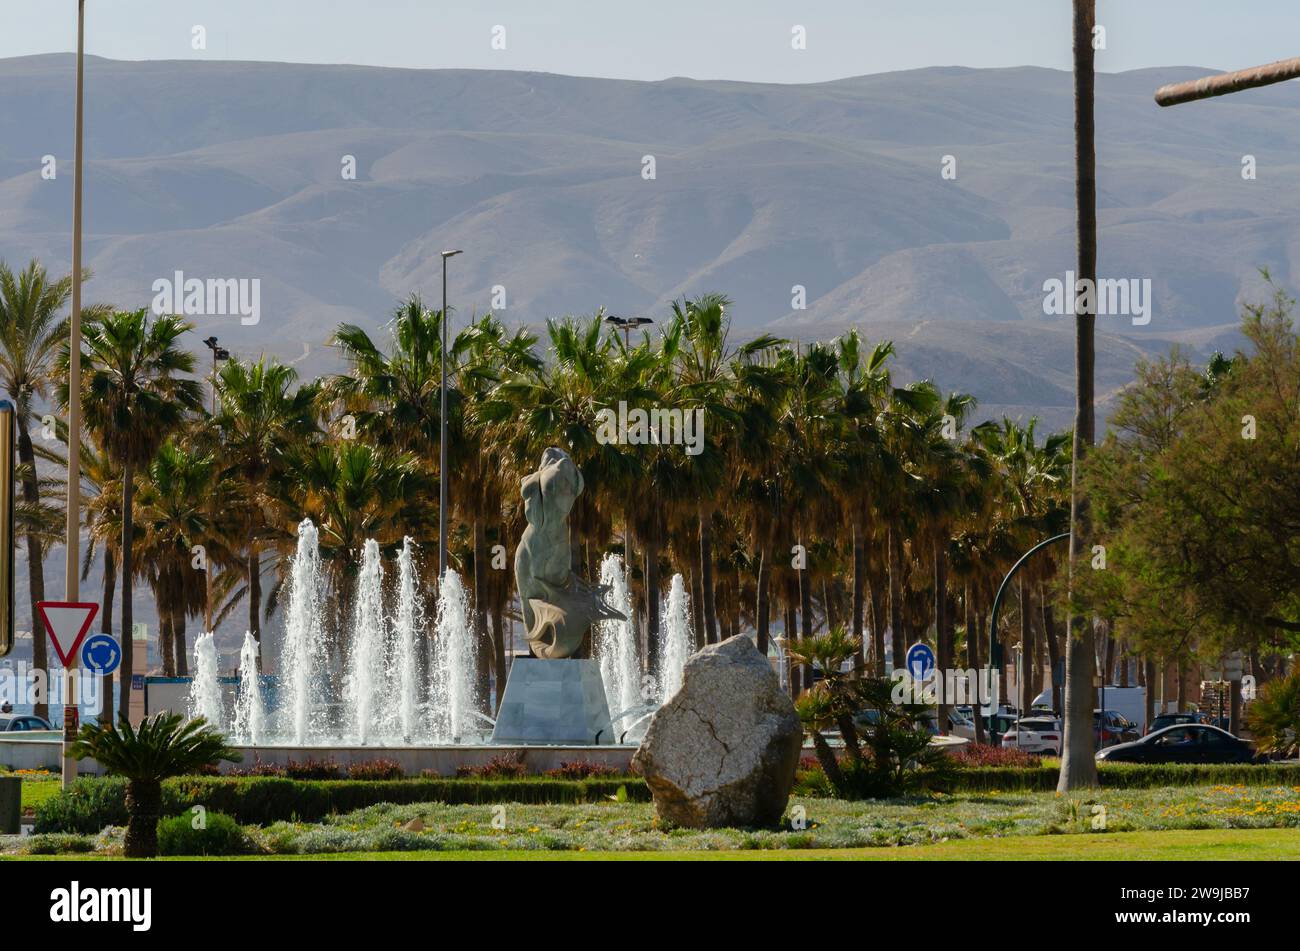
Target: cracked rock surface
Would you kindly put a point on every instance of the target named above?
(723, 751)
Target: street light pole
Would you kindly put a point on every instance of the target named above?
(442, 429)
(218, 353)
(72, 566)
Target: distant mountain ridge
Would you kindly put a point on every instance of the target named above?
(233, 170)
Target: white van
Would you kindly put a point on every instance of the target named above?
(1129, 702)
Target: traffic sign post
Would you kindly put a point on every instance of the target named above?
(920, 661)
(67, 623)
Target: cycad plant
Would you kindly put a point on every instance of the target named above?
(1274, 718)
(164, 745)
(887, 748)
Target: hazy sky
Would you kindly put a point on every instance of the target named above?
(705, 39)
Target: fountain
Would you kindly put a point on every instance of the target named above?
(205, 689)
(409, 683)
(614, 644)
(406, 635)
(675, 624)
(302, 662)
(454, 664)
(366, 678)
(250, 711)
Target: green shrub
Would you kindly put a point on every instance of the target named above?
(811, 781)
(58, 843)
(216, 834)
(85, 807)
(92, 804)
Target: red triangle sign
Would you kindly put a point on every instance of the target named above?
(67, 622)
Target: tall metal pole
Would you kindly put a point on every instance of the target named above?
(442, 436)
(73, 527)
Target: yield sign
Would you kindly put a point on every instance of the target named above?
(67, 622)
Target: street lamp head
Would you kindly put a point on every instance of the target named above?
(451, 254)
(211, 342)
(222, 353)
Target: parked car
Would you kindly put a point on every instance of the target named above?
(1186, 743)
(1035, 735)
(998, 725)
(1112, 727)
(961, 724)
(23, 723)
(1177, 719)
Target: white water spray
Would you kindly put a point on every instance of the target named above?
(675, 627)
(454, 664)
(365, 679)
(205, 689)
(250, 709)
(303, 652)
(615, 642)
(406, 633)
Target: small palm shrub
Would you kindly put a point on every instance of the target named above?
(1274, 717)
(164, 745)
(887, 749)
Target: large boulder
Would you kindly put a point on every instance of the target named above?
(724, 750)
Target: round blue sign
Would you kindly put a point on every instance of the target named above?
(920, 661)
(101, 654)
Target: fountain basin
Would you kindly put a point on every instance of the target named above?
(441, 760)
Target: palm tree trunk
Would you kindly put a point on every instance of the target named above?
(106, 627)
(651, 573)
(706, 578)
(762, 602)
(143, 804)
(698, 632)
(128, 617)
(859, 594)
(166, 640)
(898, 639)
(499, 654)
(877, 602)
(942, 625)
(1078, 763)
(973, 660)
(483, 653)
(35, 560)
(179, 645)
(254, 569)
(806, 619)
(795, 682)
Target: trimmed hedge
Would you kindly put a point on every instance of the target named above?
(1129, 776)
(92, 804)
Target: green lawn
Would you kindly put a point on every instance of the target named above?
(1184, 821)
(36, 791)
(1174, 845)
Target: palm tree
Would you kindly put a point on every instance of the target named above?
(133, 396)
(30, 333)
(163, 745)
(179, 492)
(1078, 766)
(704, 363)
(353, 492)
(262, 420)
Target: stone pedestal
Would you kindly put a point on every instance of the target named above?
(560, 701)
